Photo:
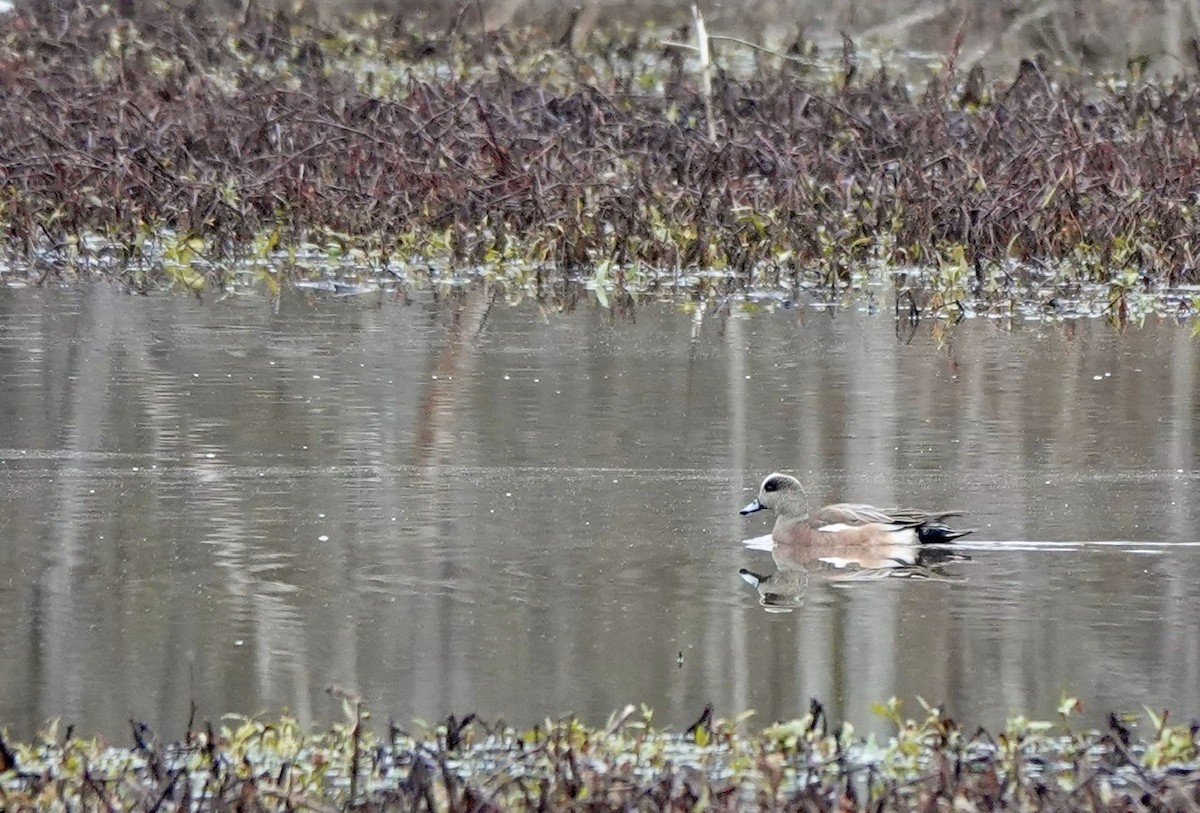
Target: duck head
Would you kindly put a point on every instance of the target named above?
(781, 493)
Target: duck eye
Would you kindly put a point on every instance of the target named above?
(771, 485)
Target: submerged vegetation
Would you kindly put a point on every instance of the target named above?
(164, 149)
(466, 765)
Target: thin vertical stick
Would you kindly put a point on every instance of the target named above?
(705, 70)
(356, 754)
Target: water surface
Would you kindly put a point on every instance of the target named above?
(459, 505)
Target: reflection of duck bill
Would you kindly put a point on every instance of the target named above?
(751, 578)
(780, 592)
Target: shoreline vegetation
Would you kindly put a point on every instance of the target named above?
(173, 150)
(932, 763)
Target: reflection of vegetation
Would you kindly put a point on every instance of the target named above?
(167, 150)
(462, 765)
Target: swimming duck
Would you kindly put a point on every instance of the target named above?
(849, 524)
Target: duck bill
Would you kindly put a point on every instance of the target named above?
(751, 508)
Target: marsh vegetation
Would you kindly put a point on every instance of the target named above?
(207, 155)
(465, 764)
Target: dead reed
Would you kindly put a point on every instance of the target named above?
(467, 765)
(168, 149)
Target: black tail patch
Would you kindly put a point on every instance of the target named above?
(935, 533)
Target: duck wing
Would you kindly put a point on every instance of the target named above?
(912, 517)
(851, 515)
(857, 514)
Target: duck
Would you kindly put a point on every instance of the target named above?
(846, 524)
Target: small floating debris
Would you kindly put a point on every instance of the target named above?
(337, 287)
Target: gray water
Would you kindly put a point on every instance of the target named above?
(465, 506)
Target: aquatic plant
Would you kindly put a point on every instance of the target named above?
(464, 764)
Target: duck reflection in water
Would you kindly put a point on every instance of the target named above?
(783, 590)
(846, 542)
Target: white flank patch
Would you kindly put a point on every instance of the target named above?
(841, 526)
